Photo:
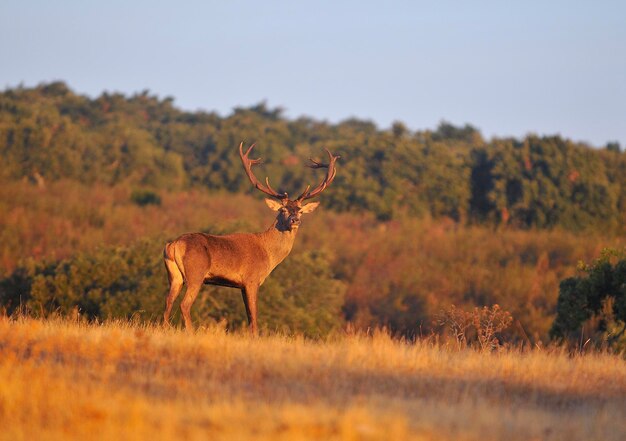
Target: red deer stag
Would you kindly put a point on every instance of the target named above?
(241, 260)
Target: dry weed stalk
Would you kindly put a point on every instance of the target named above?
(480, 325)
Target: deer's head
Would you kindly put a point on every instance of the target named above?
(289, 210)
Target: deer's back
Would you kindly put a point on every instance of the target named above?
(232, 256)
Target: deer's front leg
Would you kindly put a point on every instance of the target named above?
(249, 294)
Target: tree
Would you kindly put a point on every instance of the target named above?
(613, 147)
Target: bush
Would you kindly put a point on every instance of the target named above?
(145, 197)
(115, 282)
(480, 326)
(593, 305)
(122, 282)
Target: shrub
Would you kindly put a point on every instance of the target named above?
(145, 197)
(480, 326)
(593, 305)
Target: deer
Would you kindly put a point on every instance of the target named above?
(240, 260)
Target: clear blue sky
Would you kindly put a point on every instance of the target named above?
(508, 68)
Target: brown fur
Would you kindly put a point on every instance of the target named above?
(242, 260)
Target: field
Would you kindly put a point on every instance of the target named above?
(70, 380)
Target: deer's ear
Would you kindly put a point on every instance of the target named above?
(274, 205)
(309, 207)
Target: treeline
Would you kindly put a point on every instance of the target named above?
(48, 133)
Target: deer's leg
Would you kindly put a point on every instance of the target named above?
(193, 288)
(195, 263)
(249, 294)
(176, 283)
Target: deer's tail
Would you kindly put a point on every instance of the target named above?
(168, 251)
(173, 260)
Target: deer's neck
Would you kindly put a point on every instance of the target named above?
(278, 243)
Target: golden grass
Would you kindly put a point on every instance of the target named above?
(62, 380)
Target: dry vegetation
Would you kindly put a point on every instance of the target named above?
(399, 273)
(65, 380)
(66, 217)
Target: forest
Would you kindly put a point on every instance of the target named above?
(414, 222)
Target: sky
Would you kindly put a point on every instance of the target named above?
(507, 68)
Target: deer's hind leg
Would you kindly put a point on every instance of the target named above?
(196, 263)
(175, 277)
(193, 288)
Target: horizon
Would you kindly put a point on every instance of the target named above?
(283, 114)
(507, 70)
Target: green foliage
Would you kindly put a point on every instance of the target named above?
(600, 295)
(447, 132)
(545, 182)
(613, 147)
(107, 283)
(145, 197)
(300, 296)
(51, 133)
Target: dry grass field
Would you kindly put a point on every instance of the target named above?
(65, 380)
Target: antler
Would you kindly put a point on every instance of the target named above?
(247, 165)
(330, 175)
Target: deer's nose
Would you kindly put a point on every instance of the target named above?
(294, 221)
